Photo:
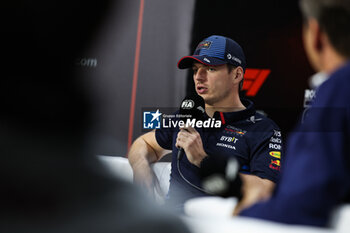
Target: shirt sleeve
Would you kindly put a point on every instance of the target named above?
(266, 153)
(164, 138)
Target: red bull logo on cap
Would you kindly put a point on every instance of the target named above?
(204, 45)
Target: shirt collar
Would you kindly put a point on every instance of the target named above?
(227, 117)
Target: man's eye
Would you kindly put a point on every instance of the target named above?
(211, 69)
(194, 71)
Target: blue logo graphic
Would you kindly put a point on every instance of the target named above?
(151, 120)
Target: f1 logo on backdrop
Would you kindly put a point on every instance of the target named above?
(253, 80)
(151, 120)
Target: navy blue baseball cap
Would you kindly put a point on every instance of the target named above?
(214, 51)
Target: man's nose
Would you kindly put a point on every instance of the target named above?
(201, 74)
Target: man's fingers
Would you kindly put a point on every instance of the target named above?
(178, 143)
(187, 132)
(186, 136)
(188, 129)
(191, 129)
(183, 134)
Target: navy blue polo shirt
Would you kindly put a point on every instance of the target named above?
(252, 138)
(316, 172)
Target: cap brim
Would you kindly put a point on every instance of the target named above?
(187, 61)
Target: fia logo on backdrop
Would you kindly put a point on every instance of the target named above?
(151, 120)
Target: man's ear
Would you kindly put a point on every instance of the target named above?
(317, 35)
(314, 42)
(238, 75)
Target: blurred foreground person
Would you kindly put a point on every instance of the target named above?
(50, 181)
(316, 175)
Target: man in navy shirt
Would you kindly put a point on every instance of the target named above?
(218, 67)
(316, 172)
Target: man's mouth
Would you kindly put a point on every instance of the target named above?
(201, 89)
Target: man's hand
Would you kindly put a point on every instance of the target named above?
(189, 139)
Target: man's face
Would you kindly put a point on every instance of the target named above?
(213, 83)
